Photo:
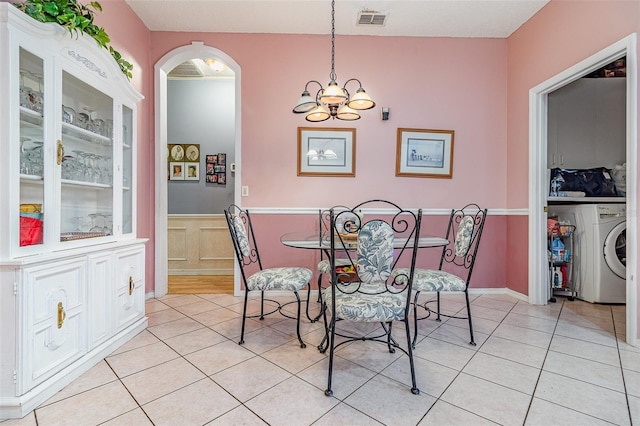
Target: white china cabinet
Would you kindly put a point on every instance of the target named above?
(72, 282)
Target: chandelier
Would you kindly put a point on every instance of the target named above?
(334, 101)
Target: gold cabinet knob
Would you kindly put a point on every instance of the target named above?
(61, 314)
(60, 152)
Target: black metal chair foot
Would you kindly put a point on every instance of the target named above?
(328, 392)
(472, 343)
(415, 391)
(303, 345)
(241, 342)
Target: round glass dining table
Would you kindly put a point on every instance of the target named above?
(313, 241)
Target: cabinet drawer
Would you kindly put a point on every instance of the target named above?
(55, 319)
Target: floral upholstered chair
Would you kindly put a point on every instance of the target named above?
(257, 278)
(370, 294)
(455, 268)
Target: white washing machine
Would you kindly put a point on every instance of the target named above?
(599, 258)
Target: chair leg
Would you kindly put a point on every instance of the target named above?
(320, 289)
(244, 316)
(317, 317)
(330, 342)
(302, 344)
(438, 305)
(261, 305)
(414, 386)
(324, 344)
(389, 338)
(415, 319)
(308, 300)
(466, 295)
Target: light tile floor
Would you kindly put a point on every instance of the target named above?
(561, 364)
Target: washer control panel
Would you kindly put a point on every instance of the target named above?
(615, 210)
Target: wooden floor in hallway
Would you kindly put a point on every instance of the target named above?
(200, 284)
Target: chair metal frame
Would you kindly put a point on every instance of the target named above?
(449, 257)
(254, 259)
(404, 223)
(323, 230)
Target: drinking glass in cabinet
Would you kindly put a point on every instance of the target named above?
(68, 115)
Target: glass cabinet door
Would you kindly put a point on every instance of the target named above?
(32, 163)
(85, 154)
(127, 170)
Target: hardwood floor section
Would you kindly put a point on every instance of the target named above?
(200, 284)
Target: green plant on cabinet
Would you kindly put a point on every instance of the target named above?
(75, 17)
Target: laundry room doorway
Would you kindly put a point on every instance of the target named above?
(538, 177)
(190, 232)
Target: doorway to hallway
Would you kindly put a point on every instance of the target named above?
(164, 234)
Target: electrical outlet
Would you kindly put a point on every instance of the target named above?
(245, 191)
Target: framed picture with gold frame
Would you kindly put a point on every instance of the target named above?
(192, 153)
(424, 153)
(176, 152)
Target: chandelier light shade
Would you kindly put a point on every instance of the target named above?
(333, 101)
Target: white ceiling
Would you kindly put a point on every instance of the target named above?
(420, 18)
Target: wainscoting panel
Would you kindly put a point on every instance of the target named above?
(199, 245)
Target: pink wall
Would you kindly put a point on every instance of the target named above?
(437, 83)
(428, 83)
(130, 37)
(560, 35)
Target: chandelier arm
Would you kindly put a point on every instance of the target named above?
(306, 86)
(352, 79)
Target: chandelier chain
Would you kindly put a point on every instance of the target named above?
(332, 75)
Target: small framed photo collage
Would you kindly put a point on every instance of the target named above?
(216, 169)
(184, 162)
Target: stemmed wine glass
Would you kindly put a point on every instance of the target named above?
(90, 125)
(24, 157)
(36, 159)
(38, 99)
(24, 90)
(80, 165)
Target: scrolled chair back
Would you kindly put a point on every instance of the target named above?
(464, 232)
(241, 230)
(379, 243)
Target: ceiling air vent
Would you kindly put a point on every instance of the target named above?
(186, 69)
(371, 17)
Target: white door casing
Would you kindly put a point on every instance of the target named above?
(197, 49)
(538, 268)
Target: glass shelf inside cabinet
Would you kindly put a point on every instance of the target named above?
(28, 116)
(84, 135)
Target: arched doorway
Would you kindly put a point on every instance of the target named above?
(162, 68)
